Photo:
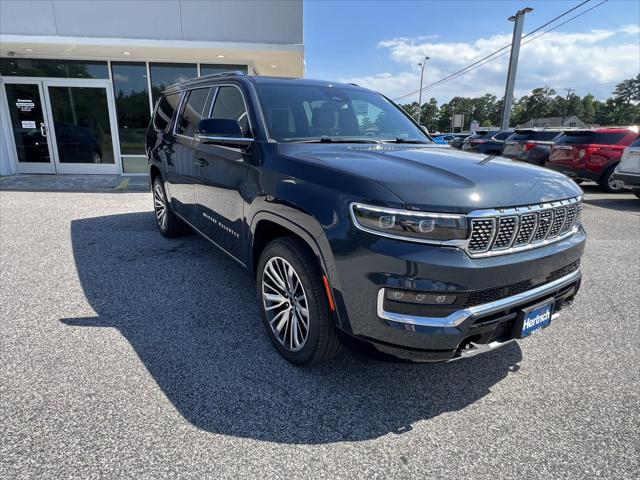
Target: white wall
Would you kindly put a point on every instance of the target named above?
(259, 21)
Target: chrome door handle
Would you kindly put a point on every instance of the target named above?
(43, 129)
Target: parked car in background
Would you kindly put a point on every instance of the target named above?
(490, 142)
(447, 138)
(458, 141)
(628, 170)
(531, 145)
(591, 154)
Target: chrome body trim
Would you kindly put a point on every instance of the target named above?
(456, 318)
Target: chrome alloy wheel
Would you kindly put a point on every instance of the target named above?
(160, 206)
(285, 303)
(614, 184)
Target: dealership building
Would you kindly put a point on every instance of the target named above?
(78, 79)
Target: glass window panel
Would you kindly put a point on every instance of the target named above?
(132, 105)
(25, 110)
(34, 67)
(211, 69)
(134, 164)
(81, 122)
(165, 74)
(192, 112)
(230, 105)
(165, 110)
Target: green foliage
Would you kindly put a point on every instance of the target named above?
(622, 109)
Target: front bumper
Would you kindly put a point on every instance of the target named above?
(464, 328)
(630, 181)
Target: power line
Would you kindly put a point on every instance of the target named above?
(496, 54)
(459, 74)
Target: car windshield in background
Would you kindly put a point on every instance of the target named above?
(312, 113)
(596, 138)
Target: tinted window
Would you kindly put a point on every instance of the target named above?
(636, 144)
(503, 135)
(165, 74)
(230, 105)
(211, 69)
(132, 105)
(192, 111)
(597, 138)
(165, 110)
(544, 136)
(33, 67)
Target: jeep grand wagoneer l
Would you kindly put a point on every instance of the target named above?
(355, 223)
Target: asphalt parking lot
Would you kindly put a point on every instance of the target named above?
(127, 355)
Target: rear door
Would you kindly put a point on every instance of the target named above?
(184, 152)
(222, 174)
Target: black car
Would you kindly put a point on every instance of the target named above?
(458, 139)
(356, 225)
(530, 145)
(488, 142)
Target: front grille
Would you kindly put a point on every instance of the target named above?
(481, 297)
(516, 228)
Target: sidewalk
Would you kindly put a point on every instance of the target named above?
(74, 183)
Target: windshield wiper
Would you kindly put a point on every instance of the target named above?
(336, 140)
(404, 140)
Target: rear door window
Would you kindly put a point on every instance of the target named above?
(191, 113)
(503, 135)
(167, 106)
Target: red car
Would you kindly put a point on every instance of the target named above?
(591, 154)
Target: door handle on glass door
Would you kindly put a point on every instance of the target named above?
(43, 129)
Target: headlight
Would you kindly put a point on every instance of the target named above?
(407, 225)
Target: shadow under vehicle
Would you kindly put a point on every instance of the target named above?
(188, 311)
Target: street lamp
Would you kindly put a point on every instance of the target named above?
(422, 64)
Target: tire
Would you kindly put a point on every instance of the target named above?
(607, 184)
(168, 223)
(577, 181)
(283, 312)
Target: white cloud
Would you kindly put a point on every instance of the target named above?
(584, 60)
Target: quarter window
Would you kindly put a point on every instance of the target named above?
(230, 105)
(165, 110)
(192, 112)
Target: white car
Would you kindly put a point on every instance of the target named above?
(628, 170)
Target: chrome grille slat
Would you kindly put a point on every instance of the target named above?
(514, 229)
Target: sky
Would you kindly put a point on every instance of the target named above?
(378, 44)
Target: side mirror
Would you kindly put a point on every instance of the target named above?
(222, 131)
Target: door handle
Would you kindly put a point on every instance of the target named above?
(201, 162)
(43, 129)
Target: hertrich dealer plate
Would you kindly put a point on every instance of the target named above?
(534, 319)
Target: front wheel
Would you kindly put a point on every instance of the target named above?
(293, 303)
(607, 182)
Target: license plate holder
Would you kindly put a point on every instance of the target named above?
(533, 319)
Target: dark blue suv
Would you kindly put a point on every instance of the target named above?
(489, 142)
(356, 225)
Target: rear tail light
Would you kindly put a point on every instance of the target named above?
(528, 146)
(587, 151)
(478, 141)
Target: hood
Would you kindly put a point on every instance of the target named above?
(432, 177)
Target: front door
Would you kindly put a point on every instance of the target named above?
(63, 125)
(30, 127)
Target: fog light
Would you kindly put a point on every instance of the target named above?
(419, 297)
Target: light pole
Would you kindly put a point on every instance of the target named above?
(422, 64)
(518, 20)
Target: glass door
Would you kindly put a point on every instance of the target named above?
(83, 128)
(29, 122)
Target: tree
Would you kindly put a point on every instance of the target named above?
(628, 91)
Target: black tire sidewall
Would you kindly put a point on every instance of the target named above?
(318, 311)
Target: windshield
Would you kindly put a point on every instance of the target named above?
(296, 113)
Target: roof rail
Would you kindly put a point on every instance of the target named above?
(230, 73)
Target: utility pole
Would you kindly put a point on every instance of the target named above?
(566, 105)
(424, 62)
(518, 20)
